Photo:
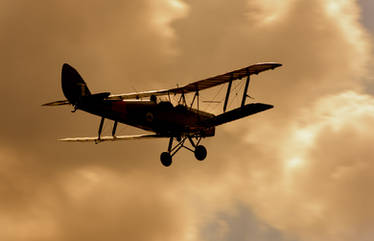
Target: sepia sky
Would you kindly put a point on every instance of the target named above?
(302, 171)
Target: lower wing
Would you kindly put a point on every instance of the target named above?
(110, 138)
(238, 113)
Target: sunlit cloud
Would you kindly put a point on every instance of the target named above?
(347, 17)
(270, 11)
(330, 147)
(166, 12)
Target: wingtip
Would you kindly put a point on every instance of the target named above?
(47, 104)
(266, 106)
(64, 139)
(276, 65)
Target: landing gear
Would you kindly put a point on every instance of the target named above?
(166, 159)
(199, 150)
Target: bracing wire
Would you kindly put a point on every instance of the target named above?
(214, 98)
(236, 94)
(240, 86)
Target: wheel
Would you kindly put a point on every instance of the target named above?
(200, 153)
(166, 159)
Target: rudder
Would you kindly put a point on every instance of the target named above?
(73, 85)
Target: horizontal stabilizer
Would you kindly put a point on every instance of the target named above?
(238, 113)
(110, 138)
(57, 103)
(93, 97)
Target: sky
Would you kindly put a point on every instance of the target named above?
(300, 172)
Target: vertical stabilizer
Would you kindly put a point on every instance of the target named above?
(73, 85)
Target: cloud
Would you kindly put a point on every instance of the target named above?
(302, 170)
(320, 187)
(367, 18)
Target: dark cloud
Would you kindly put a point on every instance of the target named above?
(240, 225)
(367, 7)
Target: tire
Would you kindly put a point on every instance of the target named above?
(200, 153)
(166, 159)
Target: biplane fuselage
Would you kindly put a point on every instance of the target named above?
(162, 118)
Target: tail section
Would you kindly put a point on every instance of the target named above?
(73, 85)
(75, 89)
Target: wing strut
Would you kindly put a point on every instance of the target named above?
(182, 99)
(100, 129)
(227, 95)
(114, 128)
(196, 96)
(245, 90)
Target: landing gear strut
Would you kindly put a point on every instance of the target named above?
(199, 150)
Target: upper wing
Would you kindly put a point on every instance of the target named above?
(110, 138)
(224, 78)
(138, 95)
(202, 84)
(192, 87)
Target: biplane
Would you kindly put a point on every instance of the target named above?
(184, 124)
